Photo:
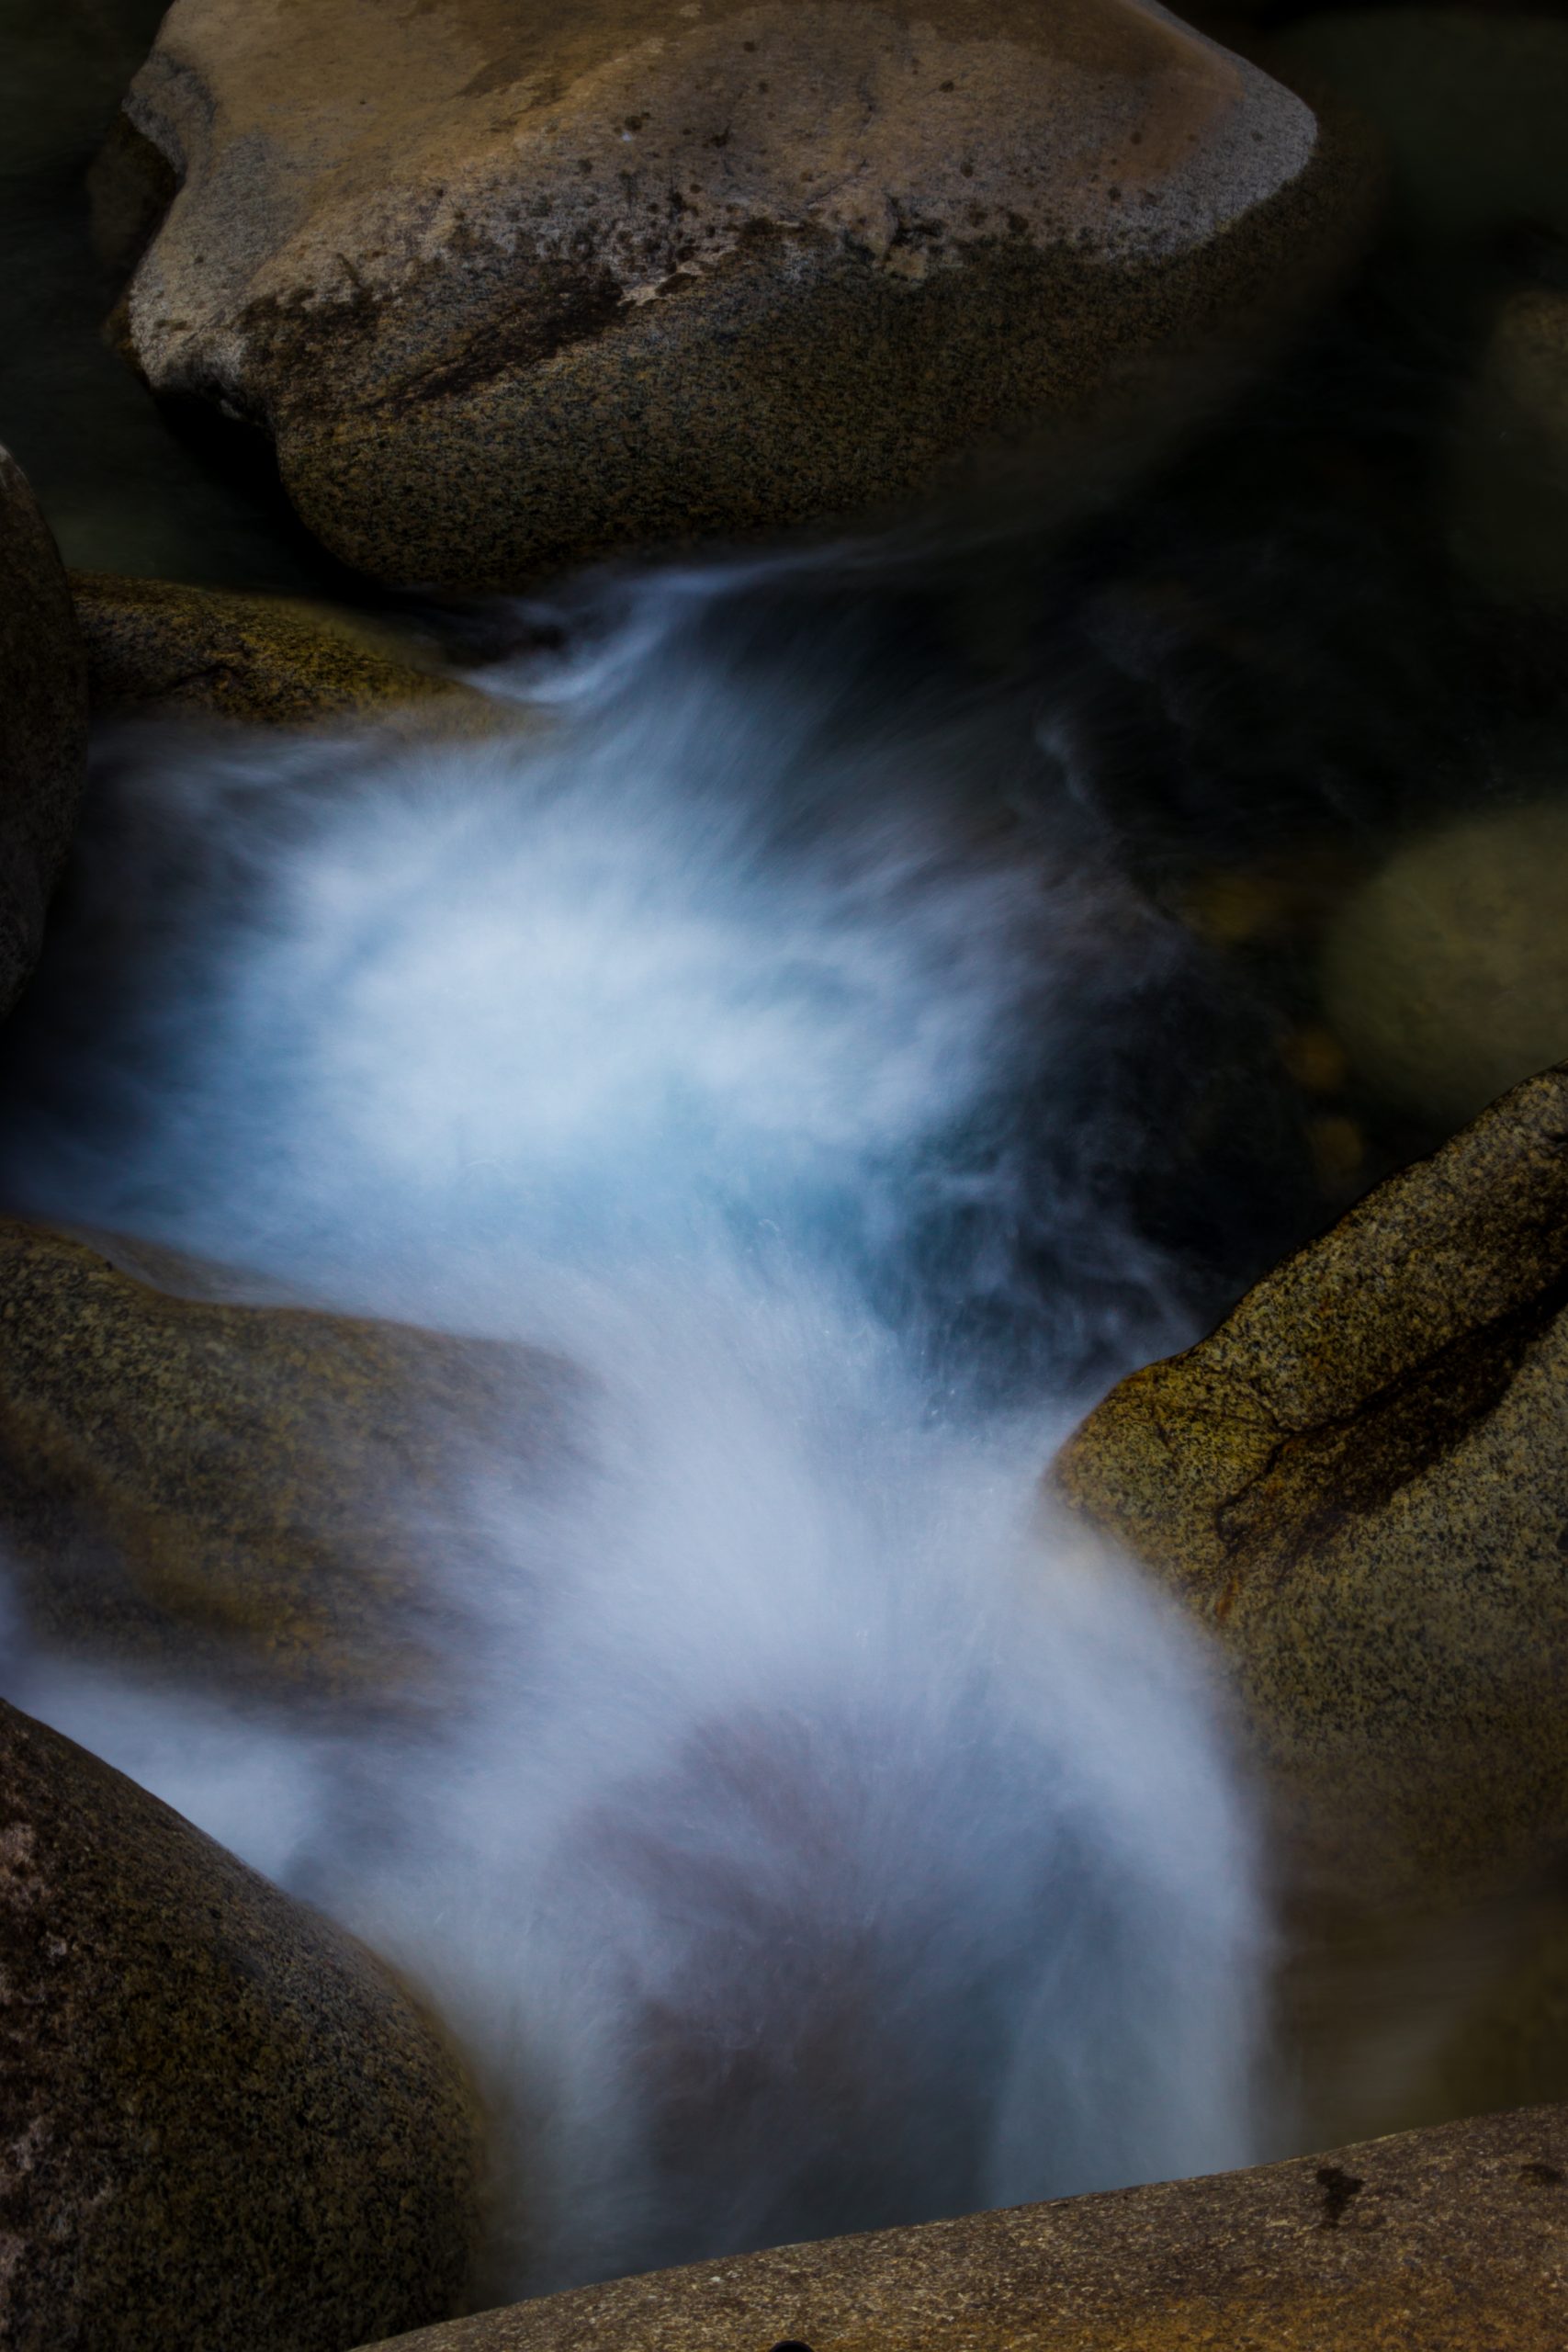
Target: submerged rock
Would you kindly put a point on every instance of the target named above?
(1446, 975)
(43, 725)
(508, 289)
(261, 1492)
(1359, 1483)
(222, 2122)
(156, 644)
(1448, 2239)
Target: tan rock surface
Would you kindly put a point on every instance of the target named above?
(43, 725)
(1360, 1482)
(258, 1491)
(1451, 2240)
(157, 644)
(222, 2123)
(509, 289)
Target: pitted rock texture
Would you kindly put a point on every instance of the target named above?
(1359, 1483)
(509, 287)
(264, 1494)
(158, 645)
(1440, 2240)
(43, 725)
(222, 2122)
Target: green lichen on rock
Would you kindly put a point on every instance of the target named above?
(1360, 1483)
(260, 1492)
(222, 2122)
(43, 725)
(159, 645)
(1447, 2239)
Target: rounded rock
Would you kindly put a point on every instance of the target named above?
(222, 2122)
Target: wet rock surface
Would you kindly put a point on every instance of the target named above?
(43, 725)
(1358, 1484)
(159, 645)
(508, 294)
(221, 2122)
(1450, 2239)
(259, 1492)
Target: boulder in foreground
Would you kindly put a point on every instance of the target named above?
(1448, 2240)
(222, 2123)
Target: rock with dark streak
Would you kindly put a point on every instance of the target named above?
(1443, 2241)
(508, 287)
(1359, 1483)
(43, 725)
(222, 2122)
(263, 1493)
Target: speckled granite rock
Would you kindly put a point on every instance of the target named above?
(1444, 2241)
(1360, 1482)
(222, 2123)
(1445, 975)
(43, 725)
(155, 644)
(509, 289)
(250, 1490)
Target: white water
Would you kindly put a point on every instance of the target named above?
(820, 1845)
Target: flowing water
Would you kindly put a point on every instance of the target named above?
(856, 1003)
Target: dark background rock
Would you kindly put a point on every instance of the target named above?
(43, 725)
(222, 2123)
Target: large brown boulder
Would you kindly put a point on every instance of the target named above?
(222, 2122)
(260, 1492)
(43, 725)
(510, 287)
(1441, 2241)
(1359, 1483)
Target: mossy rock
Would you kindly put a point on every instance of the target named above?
(1358, 1484)
(511, 289)
(1441, 2241)
(43, 725)
(157, 645)
(222, 2122)
(261, 1493)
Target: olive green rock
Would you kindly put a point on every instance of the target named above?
(1444, 2241)
(1445, 975)
(159, 645)
(43, 725)
(222, 2122)
(510, 287)
(264, 1493)
(1360, 1483)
